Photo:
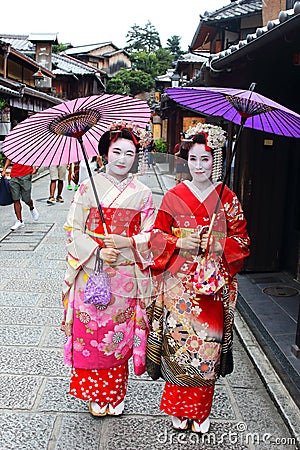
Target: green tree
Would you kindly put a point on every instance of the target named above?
(146, 62)
(143, 38)
(130, 82)
(173, 45)
(155, 63)
(57, 48)
(116, 86)
(133, 39)
(164, 59)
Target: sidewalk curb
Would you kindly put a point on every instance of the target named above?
(275, 387)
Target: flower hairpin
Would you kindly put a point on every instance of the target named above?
(215, 135)
(140, 135)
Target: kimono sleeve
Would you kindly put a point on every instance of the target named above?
(141, 240)
(236, 244)
(163, 242)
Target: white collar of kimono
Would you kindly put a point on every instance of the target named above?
(201, 195)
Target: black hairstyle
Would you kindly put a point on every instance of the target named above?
(111, 135)
(199, 138)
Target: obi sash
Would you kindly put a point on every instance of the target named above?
(125, 222)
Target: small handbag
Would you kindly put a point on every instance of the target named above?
(5, 193)
(208, 277)
(97, 289)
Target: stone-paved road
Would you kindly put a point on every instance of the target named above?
(36, 411)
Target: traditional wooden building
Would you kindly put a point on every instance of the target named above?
(19, 94)
(74, 78)
(266, 174)
(35, 78)
(104, 56)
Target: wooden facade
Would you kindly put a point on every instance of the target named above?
(266, 172)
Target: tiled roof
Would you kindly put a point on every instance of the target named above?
(43, 37)
(8, 91)
(115, 52)
(18, 42)
(233, 10)
(18, 89)
(193, 58)
(87, 48)
(24, 54)
(283, 19)
(64, 65)
(166, 76)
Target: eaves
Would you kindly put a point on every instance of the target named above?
(263, 36)
(10, 92)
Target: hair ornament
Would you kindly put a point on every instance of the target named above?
(207, 147)
(139, 135)
(215, 135)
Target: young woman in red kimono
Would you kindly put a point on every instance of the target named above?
(101, 339)
(197, 318)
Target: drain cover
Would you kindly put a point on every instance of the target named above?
(281, 291)
(25, 239)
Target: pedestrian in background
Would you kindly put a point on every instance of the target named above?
(194, 276)
(73, 175)
(181, 165)
(57, 178)
(20, 185)
(101, 339)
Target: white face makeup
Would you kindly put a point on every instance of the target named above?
(200, 162)
(121, 154)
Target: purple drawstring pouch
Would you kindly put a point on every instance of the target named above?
(97, 289)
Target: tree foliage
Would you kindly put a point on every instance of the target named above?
(142, 38)
(154, 64)
(130, 82)
(165, 59)
(173, 45)
(148, 60)
(57, 48)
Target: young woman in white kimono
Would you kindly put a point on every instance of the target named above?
(101, 339)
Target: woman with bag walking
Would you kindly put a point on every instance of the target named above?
(190, 340)
(101, 337)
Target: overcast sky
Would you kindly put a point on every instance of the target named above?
(95, 21)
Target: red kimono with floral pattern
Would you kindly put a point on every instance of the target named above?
(194, 325)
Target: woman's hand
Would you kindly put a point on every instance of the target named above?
(209, 241)
(191, 242)
(109, 255)
(117, 241)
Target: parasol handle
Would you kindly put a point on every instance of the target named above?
(228, 168)
(214, 215)
(93, 185)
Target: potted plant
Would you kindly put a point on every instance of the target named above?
(161, 148)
